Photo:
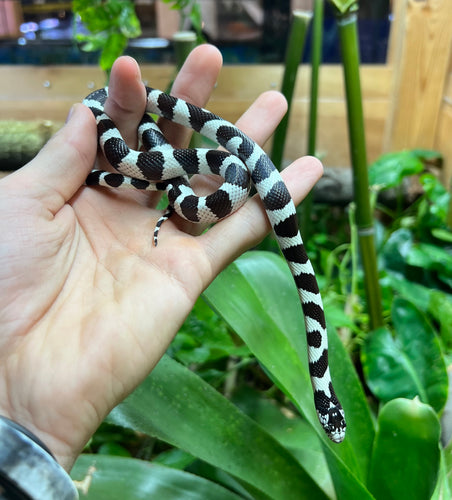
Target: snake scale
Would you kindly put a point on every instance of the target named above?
(159, 166)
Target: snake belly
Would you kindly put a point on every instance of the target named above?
(161, 167)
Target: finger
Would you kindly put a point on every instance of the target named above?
(126, 100)
(261, 119)
(61, 167)
(194, 84)
(245, 228)
(126, 105)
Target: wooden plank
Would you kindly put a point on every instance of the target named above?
(422, 59)
(46, 83)
(396, 33)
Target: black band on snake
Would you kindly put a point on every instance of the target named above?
(161, 167)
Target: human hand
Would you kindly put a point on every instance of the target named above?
(88, 304)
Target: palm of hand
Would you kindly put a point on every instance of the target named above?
(84, 273)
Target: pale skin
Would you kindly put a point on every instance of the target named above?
(88, 304)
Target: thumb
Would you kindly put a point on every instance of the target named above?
(61, 167)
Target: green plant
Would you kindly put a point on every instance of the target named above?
(111, 23)
(393, 439)
(348, 37)
(259, 430)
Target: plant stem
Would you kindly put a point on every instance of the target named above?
(347, 25)
(184, 42)
(297, 36)
(316, 59)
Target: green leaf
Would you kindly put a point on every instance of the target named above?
(432, 258)
(396, 249)
(107, 477)
(390, 169)
(438, 304)
(405, 458)
(91, 43)
(113, 449)
(114, 47)
(177, 406)
(96, 18)
(257, 297)
(437, 194)
(174, 458)
(79, 5)
(442, 234)
(291, 431)
(440, 307)
(410, 363)
(429, 155)
(128, 22)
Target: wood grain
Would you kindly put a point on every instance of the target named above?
(421, 55)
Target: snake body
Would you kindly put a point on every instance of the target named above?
(158, 166)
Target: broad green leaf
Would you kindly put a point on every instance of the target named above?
(406, 455)
(396, 249)
(257, 297)
(291, 431)
(434, 302)
(410, 363)
(177, 406)
(103, 477)
(432, 258)
(390, 169)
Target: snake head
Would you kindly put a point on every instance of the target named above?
(335, 424)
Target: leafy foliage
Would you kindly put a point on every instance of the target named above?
(110, 23)
(232, 397)
(408, 364)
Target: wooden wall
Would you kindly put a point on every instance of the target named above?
(421, 54)
(47, 93)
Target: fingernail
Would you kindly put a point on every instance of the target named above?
(71, 111)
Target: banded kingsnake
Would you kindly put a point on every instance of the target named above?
(160, 167)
